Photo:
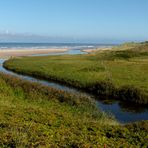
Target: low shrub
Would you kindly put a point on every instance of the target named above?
(103, 88)
(132, 94)
(49, 92)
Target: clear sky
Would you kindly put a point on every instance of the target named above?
(99, 21)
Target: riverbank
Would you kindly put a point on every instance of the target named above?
(107, 73)
(106, 104)
(6, 53)
(33, 115)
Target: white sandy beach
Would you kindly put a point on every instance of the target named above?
(28, 52)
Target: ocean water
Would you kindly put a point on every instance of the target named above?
(4, 46)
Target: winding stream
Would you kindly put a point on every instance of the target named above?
(124, 112)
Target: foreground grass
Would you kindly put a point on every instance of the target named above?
(32, 115)
(121, 73)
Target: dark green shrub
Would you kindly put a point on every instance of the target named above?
(102, 88)
(132, 94)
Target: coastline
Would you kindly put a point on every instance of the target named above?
(97, 49)
(29, 52)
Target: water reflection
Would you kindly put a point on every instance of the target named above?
(130, 107)
(123, 111)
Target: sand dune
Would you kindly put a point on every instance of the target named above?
(98, 49)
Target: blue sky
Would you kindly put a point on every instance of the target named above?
(98, 21)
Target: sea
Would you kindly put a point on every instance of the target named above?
(4, 46)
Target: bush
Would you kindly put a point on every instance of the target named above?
(105, 88)
(132, 94)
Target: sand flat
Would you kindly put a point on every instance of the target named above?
(27, 52)
(98, 49)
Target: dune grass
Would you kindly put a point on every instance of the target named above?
(121, 72)
(32, 115)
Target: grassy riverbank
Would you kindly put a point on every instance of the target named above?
(121, 72)
(32, 115)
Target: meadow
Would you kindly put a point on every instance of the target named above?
(120, 73)
(32, 115)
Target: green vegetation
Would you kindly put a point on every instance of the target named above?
(121, 73)
(32, 115)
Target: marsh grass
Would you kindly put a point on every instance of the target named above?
(121, 73)
(32, 115)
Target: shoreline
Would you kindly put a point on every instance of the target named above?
(13, 52)
(97, 49)
(28, 52)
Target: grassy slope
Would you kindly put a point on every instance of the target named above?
(125, 65)
(33, 116)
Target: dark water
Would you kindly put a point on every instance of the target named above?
(124, 112)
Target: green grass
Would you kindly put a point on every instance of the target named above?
(121, 73)
(32, 115)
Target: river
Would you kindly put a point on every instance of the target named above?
(123, 112)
